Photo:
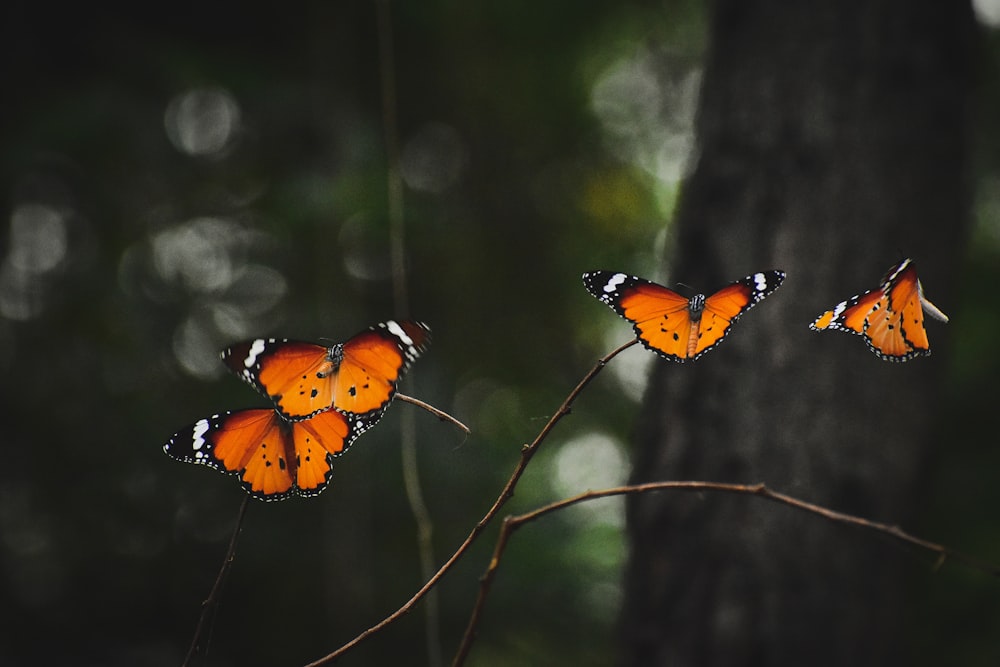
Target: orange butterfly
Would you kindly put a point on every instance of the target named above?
(273, 457)
(355, 377)
(890, 318)
(672, 325)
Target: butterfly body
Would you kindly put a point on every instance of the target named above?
(890, 318)
(674, 326)
(274, 458)
(354, 377)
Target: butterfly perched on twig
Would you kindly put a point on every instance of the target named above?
(355, 377)
(674, 326)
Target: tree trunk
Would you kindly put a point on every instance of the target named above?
(833, 143)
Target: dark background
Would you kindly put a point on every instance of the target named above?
(175, 177)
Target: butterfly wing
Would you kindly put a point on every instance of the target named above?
(896, 332)
(885, 337)
(294, 375)
(850, 315)
(725, 307)
(373, 362)
(253, 444)
(318, 440)
(660, 316)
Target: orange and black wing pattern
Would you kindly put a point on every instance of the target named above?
(676, 327)
(356, 377)
(273, 457)
(890, 318)
(849, 315)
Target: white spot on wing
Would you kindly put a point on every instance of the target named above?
(398, 332)
(256, 348)
(198, 436)
(760, 281)
(614, 282)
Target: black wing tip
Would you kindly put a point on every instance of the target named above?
(777, 276)
(599, 283)
(419, 346)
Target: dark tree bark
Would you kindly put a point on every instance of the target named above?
(833, 143)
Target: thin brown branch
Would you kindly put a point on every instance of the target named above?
(508, 491)
(440, 414)
(210, 604)
(512, 523)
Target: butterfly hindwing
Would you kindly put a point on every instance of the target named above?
(885, 337)
(356, 377)
(672, 325)
(273, 457)
(658, 314)
(320, 439)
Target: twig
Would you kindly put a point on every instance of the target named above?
(210, 604)
(508, 491)
(440, 414)
(511, 523)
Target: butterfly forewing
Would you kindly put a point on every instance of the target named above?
(657, 314)
(373, 362)
(725, 307)
(292, 374)
(849, 315)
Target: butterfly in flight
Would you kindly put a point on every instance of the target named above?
(890, 318)
(676, 327)
(356, 377)
(274, 458)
